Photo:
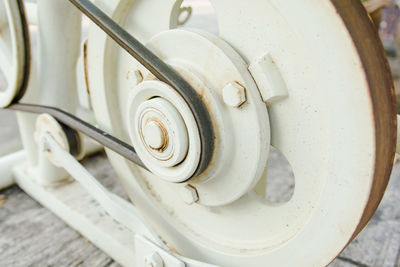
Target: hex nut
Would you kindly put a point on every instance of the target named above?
(138, 76)
(153, 260)
(234, 94)
(189, 194)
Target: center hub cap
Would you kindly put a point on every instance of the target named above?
(163, 131)
(155, 136)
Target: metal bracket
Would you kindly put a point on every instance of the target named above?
(149, 254)
(149, 248)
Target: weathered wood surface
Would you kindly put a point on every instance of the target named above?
(33, 236)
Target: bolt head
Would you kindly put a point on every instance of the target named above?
(234, 94)
(189, 194)
(138, 76)
(153, 260)
(154, 135)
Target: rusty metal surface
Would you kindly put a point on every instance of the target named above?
(380, 81)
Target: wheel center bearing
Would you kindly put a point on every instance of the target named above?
(164, 131)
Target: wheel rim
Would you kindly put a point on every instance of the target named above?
(346, 167)
(14, 51)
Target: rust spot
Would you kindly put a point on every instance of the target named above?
(86, 67)
(172, 249)
(245, 92)
(45, 121)
(201, 89)
(151, 191)
(2, 200)
(137, 75)
(164, 134)
(150, 77)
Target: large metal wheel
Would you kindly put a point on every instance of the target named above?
(326, 103)
(14, 51)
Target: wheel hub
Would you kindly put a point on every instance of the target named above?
(162, 128)
(158, 129)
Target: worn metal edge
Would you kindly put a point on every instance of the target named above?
(379, 78)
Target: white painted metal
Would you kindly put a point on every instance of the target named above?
(26, 121)
(49, 171)
(57, 59)
(75, 206)
(7, 164)
(269, 79)
(153, 134)
(31, 12)
(189, 194)
(216, 217)
(88, 147)
(46, 124)
(185, 12)
(118, 208)
(151, 255)
(115, 238)
(160, 129)
(241, 134)
(58, 55)
(234, 94)
(153, 260)
(317, 119)
(79, 209)
(155, 99)
(12, 50)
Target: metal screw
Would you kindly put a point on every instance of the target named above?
(189, 194)
(153, 260)
(234, 94)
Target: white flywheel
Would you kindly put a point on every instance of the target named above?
(14, 51)
(292, 74)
